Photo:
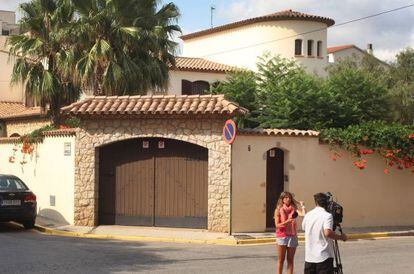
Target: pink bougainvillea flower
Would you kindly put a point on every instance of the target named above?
(411, 136)
(366, 151)
(360, 164)
(389, 155)
(387, 170)
(63, 127)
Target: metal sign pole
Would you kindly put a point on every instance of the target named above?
(231, 191)
(229, 135)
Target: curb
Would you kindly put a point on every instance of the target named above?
(226, 242)
(351, 236)
(270, 240)
(374, 235)
(56, 232)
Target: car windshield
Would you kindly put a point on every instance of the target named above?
(11, 184)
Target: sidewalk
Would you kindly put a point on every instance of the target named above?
(199, 236)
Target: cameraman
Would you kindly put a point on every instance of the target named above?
(319, 236)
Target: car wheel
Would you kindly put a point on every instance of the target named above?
(29, 224)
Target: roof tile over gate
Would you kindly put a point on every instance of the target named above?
(283, 132)
(154, 105)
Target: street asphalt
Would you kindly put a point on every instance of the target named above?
(23, 251)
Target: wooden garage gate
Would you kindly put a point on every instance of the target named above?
(153, 182)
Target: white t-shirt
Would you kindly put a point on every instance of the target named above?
(318, 247)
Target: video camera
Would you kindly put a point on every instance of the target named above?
(335, 209)
(337, 212)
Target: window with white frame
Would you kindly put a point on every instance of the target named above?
(319, 49)
(298, 47)
(310, 48)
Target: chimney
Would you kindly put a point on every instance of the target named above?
(370, 49)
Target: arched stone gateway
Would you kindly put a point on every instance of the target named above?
(153, 182)
(195, 120)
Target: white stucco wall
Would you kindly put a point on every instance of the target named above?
(8, 93)
(350, 52)
(8, 17)
(241, 46)
(7, 21)
(368, 196)
(48, 172)
(176, 76)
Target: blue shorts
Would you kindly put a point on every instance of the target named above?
(291, 241)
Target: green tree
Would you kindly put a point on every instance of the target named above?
(35, 52)
(282, 95)
(288, 97)
(360, 93)
(124, 46)
(241, 87)
(402, 91)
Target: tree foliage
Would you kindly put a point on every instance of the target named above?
(35, 54)
(358, 92)
(241, 87)
(287, 97)
(402, 87)
(282, 95)
(125, 46)
(393, 141)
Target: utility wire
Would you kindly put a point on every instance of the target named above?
(312, 31)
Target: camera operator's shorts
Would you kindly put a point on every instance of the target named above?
(290, 241)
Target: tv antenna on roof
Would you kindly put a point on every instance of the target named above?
(212, 9)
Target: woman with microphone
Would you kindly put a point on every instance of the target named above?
(285, 216)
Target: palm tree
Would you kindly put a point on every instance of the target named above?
(126, 45)
(39, 50)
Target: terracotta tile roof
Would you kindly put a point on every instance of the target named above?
(9, 140)
(339, 48)
(51, 133)
(278, 16)
(199, 64)
(283, 132)
(60, 132)
(155, 105)
(11, 110)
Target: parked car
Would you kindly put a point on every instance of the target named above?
(17, 202)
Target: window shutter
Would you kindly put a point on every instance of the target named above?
(186, 87)
(200, 87)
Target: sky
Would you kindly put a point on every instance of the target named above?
(389, 33)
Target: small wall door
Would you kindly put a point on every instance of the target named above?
(274, 183)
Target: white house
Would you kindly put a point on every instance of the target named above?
(8, 22)
(288, 33)
(336, 53)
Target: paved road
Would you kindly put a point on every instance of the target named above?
(31, 252)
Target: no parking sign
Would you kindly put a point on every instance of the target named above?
(229, 132)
